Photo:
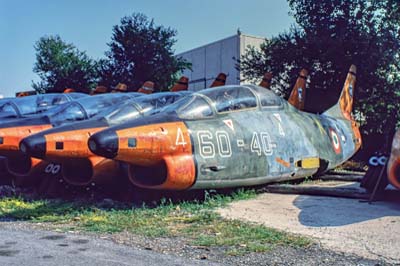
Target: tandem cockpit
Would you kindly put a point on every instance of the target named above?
(209, 102)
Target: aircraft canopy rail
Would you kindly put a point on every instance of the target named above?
(222, 100)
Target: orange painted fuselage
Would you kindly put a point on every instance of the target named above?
(393, 167)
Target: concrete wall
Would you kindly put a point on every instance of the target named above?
(220, 56)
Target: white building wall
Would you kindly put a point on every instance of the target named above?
(220, 56)
(245, 42)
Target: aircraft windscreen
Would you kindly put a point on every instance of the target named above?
(231, 98)
(121, 114)
(8, 110)
(189, 107)
(68, 113)
(194, 107)
(95, 104)
(148, 104)
(156, 101)
(267, 97)
(39, 103)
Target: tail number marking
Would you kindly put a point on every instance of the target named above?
(52, 169)
(264, 146)
(207, 147)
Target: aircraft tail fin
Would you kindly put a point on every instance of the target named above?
(220, 80)
(344, 106)
(181, 85)
(298, 95)
(266, 81)
(69, 90)
(147, 87)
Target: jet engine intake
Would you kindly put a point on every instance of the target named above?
(94, 169)
(172, 173)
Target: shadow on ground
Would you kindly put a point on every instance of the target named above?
(316, 211)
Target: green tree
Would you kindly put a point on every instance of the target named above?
(140, 51)
(61, 65)
(330, 35)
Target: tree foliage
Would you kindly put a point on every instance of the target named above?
(330, 35)
(140, 51)
(61, 65)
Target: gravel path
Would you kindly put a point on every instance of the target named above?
(36, 247)
(343, 225)
(30, 244)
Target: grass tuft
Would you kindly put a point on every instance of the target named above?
(196, 221)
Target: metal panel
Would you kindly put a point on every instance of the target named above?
(213, 61)
(229, 55)
(220, 56)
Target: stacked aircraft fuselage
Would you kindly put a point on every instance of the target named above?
(226, 136)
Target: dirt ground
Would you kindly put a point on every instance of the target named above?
(339, 224)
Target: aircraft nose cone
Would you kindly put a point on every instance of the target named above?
(104, 144)
(34, 146)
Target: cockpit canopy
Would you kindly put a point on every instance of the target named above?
(88, 107)
(35, 104)
(226, 99)
(144, 105)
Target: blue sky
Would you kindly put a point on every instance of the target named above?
(88, 25)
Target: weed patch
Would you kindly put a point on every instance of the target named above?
(196, 221)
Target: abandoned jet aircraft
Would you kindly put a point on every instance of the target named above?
(231, 136)
(12, 132)
(67, 145)
(11, 108)
(393, 166)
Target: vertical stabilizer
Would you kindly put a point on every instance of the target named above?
(298, 95)
(147, 88)
(181, 85)
(344, 107)
(266, 81)
(220, 80)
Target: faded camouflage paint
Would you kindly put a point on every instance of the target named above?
(304, 135)
(256, 138)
